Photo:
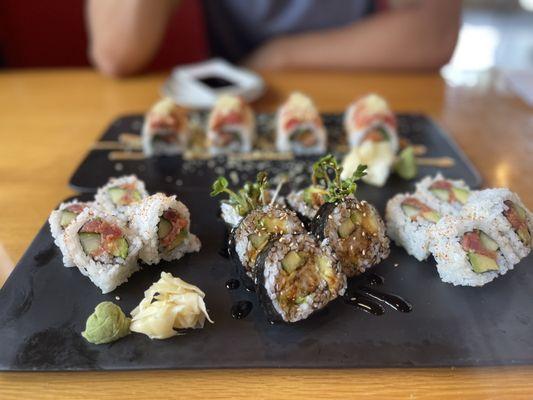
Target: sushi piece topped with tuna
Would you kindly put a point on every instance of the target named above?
(354, 229)
(299, 127)
(231, 126)
(448, 195)
(166, 129)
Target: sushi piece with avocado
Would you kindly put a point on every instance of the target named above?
(354, 229)
(103, 248)
(163, 224)
(410, 219)
(60, 219)
(447, 195)
(297, 276)
(121, 195)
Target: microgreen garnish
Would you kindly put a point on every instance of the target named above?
(327, 171)
(250, 196)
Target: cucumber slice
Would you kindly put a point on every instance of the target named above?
(520, 211)
(291, 262)
(461, 194)
(163, 228)
(66, 218)
(274, 225)
(356, 217)
(116, 194)
(410, 211)
(258, 240)
(370, 223)
(90, 242)
(178, 240)
(346, 228)
(481, 263)
(120, 248)
(300, 299)
(441, 194)
(488, 242)
(524, 235)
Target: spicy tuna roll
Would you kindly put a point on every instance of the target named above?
(448, 195)
(410, 220)
(121, 195)
(467, 252)
(255, 230)
(59, 220)
(297, 276)
(231, 126)
(103, 248)
(299, 127)
(163, 224)
(506, 215)
(166, 129)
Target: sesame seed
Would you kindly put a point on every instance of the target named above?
(117, 298)
(395, 264)
(363, 252)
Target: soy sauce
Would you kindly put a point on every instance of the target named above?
(241, 309)
(216, 82)
(392, 300)
(364, 303)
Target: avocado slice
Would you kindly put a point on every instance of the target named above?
(258, 240)
(356, 217)
(120, 248)
(370, 223)
(461, 194)
(180, 237)
(66, 218)
(432, 216)
(441, 194)
(90, 242)
(346, 228)
(410, 211)
(524, 235)
(292, 261)
(163, 228)
(488, 242)
(481, 263)
(520, 211)
(300, 299)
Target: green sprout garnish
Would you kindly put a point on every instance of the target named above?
(249, 197)
(328, 172)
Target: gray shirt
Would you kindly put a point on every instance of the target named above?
(237, 27)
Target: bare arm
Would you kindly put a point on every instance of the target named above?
(420, 36)
(124, 35)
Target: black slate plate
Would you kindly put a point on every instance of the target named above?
(162, 173)
(43, 307)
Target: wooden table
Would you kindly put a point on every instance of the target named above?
(49, 119)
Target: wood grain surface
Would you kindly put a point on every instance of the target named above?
(49, 119)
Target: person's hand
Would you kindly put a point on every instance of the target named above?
(270, 56)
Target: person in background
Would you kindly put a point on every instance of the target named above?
(282, 34)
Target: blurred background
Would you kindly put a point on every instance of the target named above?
(37, 34)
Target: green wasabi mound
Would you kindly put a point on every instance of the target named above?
(406, 166)
(106, 324)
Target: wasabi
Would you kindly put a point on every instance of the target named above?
(405, 165)
(106, 324)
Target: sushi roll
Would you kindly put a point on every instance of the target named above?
(448, 196)
(505, 214)
(297, 276)
(355, 232)
(59, 220)
(370, 118)
(244, 200)
(467, 251)
(231, 126)
(121, 195)
(163, 224)
(299, 127)
(103, 248)
(353, 228)
(410, 221)
(255, 230)
(371, 133)
(306, 202)
(165, 130)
